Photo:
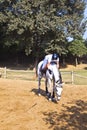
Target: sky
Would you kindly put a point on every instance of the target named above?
(85, 17)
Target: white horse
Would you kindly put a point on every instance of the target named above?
(52, 81)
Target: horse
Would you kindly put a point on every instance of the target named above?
(53, 85)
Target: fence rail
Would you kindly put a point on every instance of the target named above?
(69, 77)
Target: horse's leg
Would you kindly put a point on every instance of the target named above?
(46, 86)
(50, 89)
(53, 96)
(59, 92)
(39, 84)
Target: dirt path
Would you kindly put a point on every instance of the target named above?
(22, 109)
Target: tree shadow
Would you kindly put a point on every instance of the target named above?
(17, 66)
(85, 68)
(72, 117)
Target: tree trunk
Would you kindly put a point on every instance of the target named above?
(76, 61)
(36, 63)
(64, 63)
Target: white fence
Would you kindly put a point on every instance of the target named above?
(75, 77)
(69, 77)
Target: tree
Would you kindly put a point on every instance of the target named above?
(41, 25)
(57, 20)
(77, 48)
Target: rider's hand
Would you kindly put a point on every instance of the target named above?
(48, 64)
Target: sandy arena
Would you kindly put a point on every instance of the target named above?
(22, 109)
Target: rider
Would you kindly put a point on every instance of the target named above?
(50, 58)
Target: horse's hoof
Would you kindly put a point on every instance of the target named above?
(39, 94)
(47, 94)
(58, 99)
(54, 100)
(50, 99)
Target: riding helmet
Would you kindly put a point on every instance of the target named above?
(54, 56)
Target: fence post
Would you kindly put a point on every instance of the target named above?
(5, 73)
(72, 77)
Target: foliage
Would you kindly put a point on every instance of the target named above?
(40, 25)
(77, 48)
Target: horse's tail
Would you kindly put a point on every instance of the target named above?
(36, 72)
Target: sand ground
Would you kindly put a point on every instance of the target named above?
(22, 109)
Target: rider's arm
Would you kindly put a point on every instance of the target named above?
(48, 64)
(58, 62)
(49, 57)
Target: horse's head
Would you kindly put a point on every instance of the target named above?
(57, 83)
(58, 89)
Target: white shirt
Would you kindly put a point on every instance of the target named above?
(49, 58)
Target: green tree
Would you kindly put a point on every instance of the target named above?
(77, 48)
(57, 20)
(41, 25)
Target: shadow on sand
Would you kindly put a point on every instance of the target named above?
(72, 117)
(43, 92)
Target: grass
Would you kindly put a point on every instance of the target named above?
(79, 77)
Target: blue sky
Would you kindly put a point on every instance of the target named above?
(85, 17)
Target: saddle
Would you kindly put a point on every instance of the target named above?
(43, 71)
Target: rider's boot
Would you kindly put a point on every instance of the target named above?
(43, 71)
